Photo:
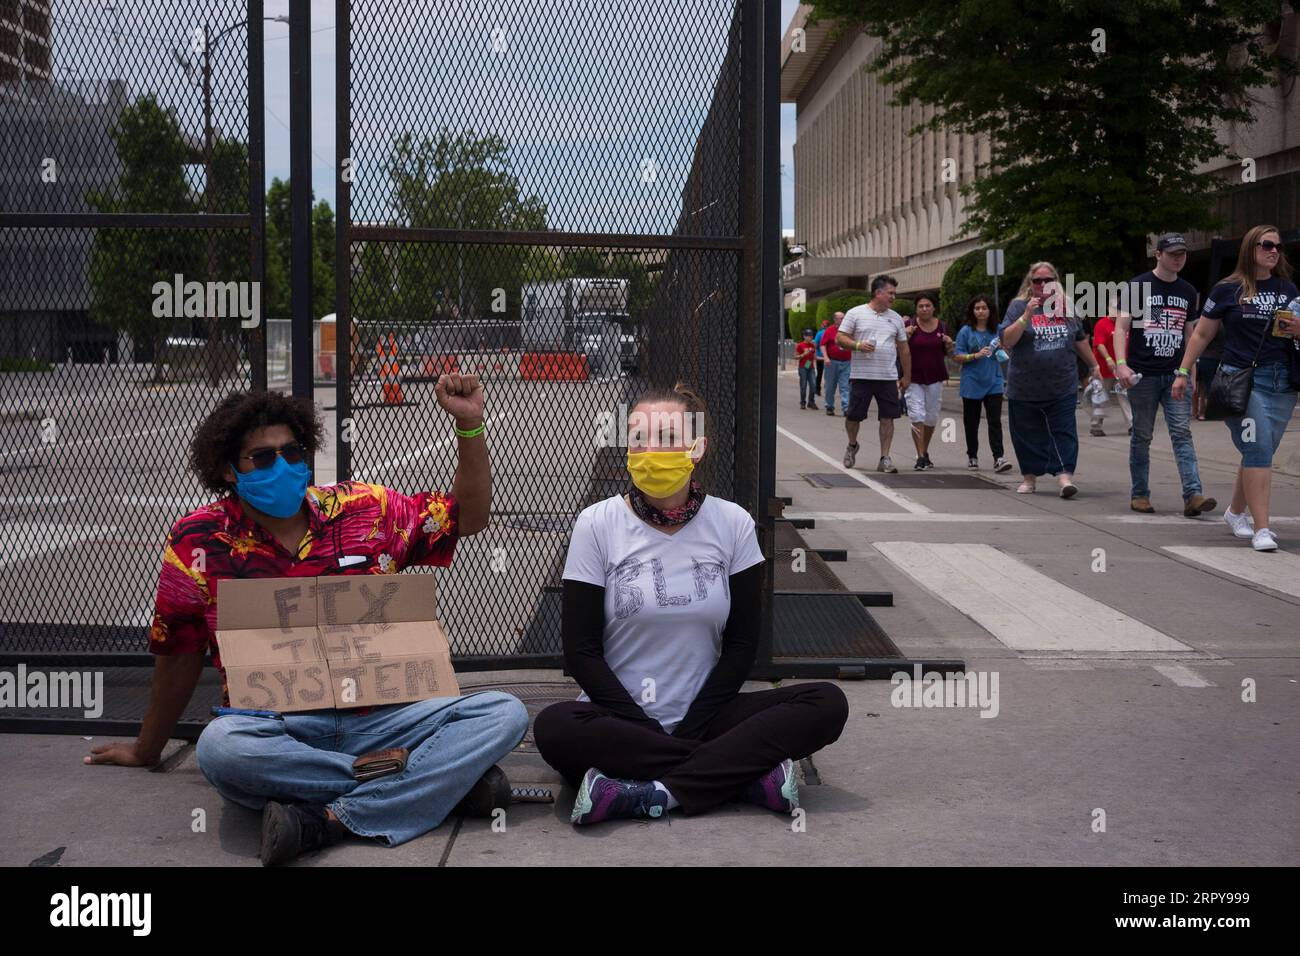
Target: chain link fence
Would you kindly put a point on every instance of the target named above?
(582, 184)
(131, 182)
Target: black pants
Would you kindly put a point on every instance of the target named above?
(745, 739)
(821, 367)
(970, 408)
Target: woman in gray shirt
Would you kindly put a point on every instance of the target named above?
(1043, 336)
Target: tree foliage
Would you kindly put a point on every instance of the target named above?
(1098, 111)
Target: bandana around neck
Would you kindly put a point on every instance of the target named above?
(673, 516)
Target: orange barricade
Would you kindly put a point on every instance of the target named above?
(390, 373)
(435, 365)
(553, 367)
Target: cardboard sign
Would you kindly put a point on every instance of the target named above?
(341, 641)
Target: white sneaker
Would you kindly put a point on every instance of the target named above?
(1263, 540)
(1240, 524)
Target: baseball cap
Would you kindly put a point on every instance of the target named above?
(807, 331)
(1171, 240)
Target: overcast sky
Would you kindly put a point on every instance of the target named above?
(142, 46)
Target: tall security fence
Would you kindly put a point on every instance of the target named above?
(596, 177)
(575, 201)
(131, 235)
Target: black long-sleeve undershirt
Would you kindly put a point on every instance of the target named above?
(582, 627)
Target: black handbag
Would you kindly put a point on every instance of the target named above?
(1230, 391)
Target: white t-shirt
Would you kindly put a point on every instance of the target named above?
(886, 329)
(667, 597)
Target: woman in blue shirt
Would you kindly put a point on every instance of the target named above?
(1244, 304)
(981, 381)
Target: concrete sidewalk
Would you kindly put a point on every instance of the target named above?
(1157, 747)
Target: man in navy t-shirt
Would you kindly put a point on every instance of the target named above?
(1149, 341)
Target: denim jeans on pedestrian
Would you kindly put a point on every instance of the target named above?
(837, 377)
(307, 758)
(806, 392)
(1156, 390)
(1258, 433)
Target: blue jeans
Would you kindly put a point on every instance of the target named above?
(807, 391)
(1155, 390)
(307, 758)
(1272, 400)
(837, 376)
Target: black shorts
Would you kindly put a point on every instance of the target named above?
(863, 390)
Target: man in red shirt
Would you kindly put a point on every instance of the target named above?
(837, 367)
(1103, 350)
(297, 767)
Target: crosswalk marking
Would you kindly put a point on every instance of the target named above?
(1021, 607)
(1279, 570)
(1182, 675)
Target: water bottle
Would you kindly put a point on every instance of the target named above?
(1120, 389)
(999, 353)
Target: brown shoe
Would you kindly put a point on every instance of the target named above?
(1198, 504)
(1143, 505)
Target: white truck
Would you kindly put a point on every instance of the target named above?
(579, 315)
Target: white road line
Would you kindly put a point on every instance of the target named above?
(1182, 676)
(409, 457)
(931, 517)
(1216, 518)
(61, 445)
(904, 502)
(1021, 607)
(24, 540)
(1279, 570)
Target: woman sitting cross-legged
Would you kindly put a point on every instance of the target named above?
(660, 626)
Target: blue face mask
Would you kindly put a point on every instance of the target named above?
(277, 491)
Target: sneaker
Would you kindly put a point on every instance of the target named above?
(491, 792)
(1198, 504)
(1142, 506)
(778, 789)
(1096, 431)
(973, 463)
(887, 466)
(605, 798)
(1001, 465)
(850, 455)
(803, 404)
(1240, 524)
(1264, 540)
(920, 464)
(830, 411)
(813, 406)
(290, 829)
(928, 462)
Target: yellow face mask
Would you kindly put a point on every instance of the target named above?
(660, 473)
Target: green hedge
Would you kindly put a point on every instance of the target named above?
(965, 279)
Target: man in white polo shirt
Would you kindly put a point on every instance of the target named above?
(874, 333)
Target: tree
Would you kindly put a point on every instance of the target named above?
(1097, 112)
(276, 293)
(125, 263)
(448, 181)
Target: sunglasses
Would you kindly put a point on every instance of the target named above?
(292, 453)
(1042, 281)
(1269, 245)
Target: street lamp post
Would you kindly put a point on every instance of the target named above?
(209, 41)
